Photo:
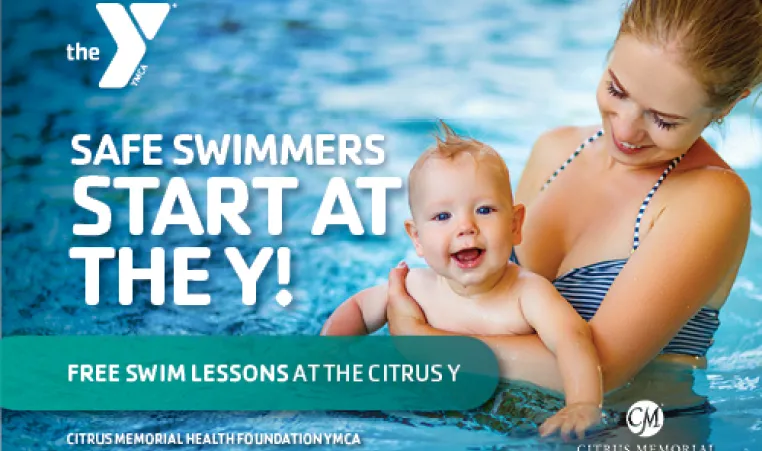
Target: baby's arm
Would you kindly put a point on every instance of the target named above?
(568, 336)
(361, 314)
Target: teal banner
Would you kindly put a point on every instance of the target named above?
(246, 373)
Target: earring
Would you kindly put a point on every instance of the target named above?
(719, 120)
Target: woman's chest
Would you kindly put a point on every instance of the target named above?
(582, 220)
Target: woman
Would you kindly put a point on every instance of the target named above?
(644, 227)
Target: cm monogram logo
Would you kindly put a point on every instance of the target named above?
(645, 418)
(130, 47)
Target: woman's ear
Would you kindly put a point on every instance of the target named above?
(412, 232)
(518, 221)
(730, 107)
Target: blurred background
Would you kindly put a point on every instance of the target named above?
(501, 71)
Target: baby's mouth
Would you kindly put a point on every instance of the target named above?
(469, 257)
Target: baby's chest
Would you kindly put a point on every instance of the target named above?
(468, 317)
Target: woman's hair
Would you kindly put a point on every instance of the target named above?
(719, 40)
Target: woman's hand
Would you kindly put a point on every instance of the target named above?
(403, 312)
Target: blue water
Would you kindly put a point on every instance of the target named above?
(501, 71)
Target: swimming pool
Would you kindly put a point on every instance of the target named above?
(500, 71)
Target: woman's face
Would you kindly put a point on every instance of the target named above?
(652, 107)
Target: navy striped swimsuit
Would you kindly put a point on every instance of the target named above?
(585, 287)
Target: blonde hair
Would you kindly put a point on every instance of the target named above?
(451, 147)
(719, 40)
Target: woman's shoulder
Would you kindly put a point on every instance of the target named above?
(568, 133)
(549, 152)
(561, 141)
(705, 176)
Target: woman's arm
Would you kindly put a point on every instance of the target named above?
(697, 243)
(693, 250)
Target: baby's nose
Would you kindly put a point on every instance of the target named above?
(467, 227)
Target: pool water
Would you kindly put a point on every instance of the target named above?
(500, 71)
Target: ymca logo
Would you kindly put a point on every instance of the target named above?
(130, 46)
(645, 418)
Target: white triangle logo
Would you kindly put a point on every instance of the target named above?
(150, 16)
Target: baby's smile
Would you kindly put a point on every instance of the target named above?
(469, 257)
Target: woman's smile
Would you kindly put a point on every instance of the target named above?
(629, 148)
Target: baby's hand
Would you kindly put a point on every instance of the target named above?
(575, 417)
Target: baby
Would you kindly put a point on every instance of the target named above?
(464, 224)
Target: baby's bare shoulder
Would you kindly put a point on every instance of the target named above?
(420, 282)
(420, 275)
(532, 284)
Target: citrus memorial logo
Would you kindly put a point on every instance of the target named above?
(130, 47)
(645, 418)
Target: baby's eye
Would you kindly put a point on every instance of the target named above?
(484, 210)
(442, 216)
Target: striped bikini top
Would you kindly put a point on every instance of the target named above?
(585, 287)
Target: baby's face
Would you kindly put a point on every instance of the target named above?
(463, 219)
